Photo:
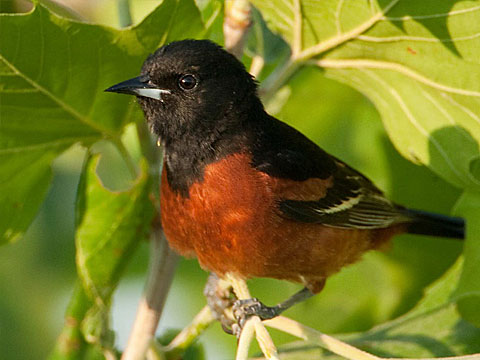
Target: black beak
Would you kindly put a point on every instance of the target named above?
(138, 86)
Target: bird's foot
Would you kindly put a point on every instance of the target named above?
(246, 308)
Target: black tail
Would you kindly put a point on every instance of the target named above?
(425, 223)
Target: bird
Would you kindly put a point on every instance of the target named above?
(245, 193)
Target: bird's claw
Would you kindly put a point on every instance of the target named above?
(246, 308)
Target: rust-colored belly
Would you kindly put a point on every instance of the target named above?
(231, 223)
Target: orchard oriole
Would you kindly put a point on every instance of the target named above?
(249, 195)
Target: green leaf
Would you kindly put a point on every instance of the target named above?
(53, 72)
(418, 62)
(110, 227)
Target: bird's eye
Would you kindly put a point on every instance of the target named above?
(187, 82)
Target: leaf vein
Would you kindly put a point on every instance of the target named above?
(337, 17)
(463, 108)
(22, 91)
(413, 120)
(377, 64)
(344, 37)
(58, 101)
(42, 48)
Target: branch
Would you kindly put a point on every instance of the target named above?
(162, 267)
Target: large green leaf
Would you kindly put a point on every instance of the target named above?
(52, 75)
(110, 227)
(419, 63)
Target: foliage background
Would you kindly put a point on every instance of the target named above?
(37, 272)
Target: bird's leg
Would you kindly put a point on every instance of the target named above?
(245, 308)
(220, 298)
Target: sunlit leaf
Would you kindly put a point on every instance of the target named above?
(418, 62)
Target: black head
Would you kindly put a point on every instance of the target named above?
(192, 87)
(199, 100)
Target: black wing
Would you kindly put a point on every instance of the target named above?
(352, 201)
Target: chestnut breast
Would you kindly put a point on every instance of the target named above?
(231, 223)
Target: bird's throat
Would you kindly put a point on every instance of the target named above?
(185, 160)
